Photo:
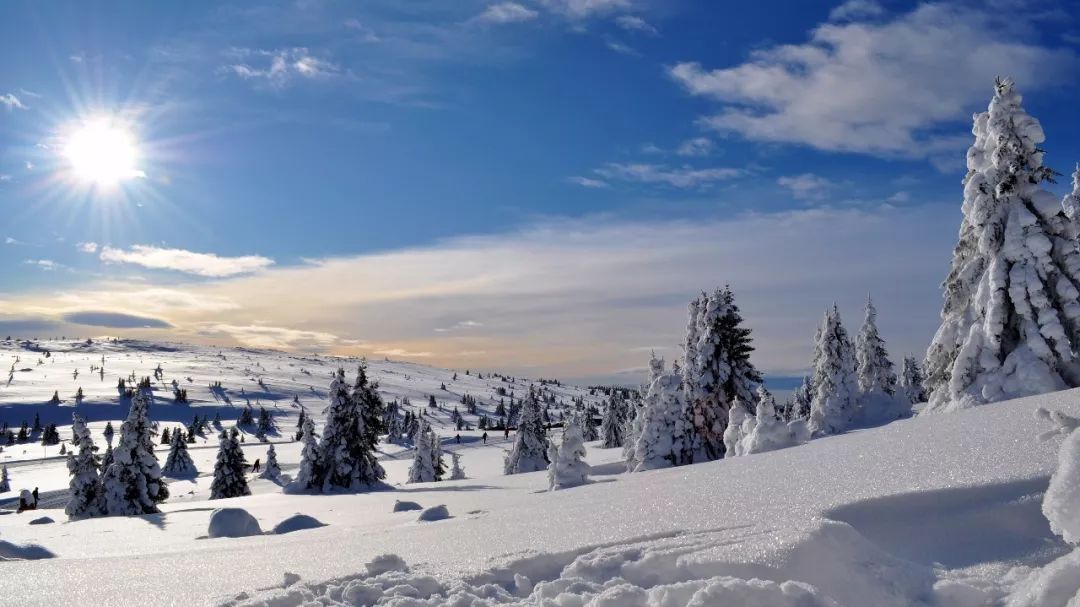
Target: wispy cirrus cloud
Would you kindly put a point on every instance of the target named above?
(11, 102)
(506, 12)
(582, 9)
(588, 182)
(877, 87)
(676, 177)
(633, 23)
(199, 264)
(45, 264)
(279, 67)
(806, 186)
(87, 247)
(697, 146)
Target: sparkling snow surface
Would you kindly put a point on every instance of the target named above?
(942, 509)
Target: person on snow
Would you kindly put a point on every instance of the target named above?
(484, 436)
(458, 439)
(255, 466)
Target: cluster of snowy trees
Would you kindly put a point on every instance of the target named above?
(344, 458)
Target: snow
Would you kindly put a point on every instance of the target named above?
(405, 506)
(297, 522)
(434, 513)
(232, 522)
(936, 510)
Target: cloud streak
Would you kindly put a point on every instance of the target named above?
(199, 264)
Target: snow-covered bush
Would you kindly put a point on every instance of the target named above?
(568, 467)
(1011, 318)
(232, 522)
(748, 434)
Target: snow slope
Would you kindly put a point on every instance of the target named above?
(936, 510)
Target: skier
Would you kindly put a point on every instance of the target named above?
(255, 467)
(484, 437)
(35, 497)
(506, 433)
(458, 439)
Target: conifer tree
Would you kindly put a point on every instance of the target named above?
(667, 429)
(802, 398)
(457, 472)
(568, 467)
(612, 430)
(271, 470)
(132, 483)
(422, 469)
(109, 432)
(835, 385)
(230, 468)
(720, 369)
(436, 455)
(311, 460)
(5, 480)
(529, 453)
(872, 364)
(911, 381)
(85, 486)
(348, 442)
(178, 464)
(1011, 318)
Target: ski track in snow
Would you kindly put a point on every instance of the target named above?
(940, 510)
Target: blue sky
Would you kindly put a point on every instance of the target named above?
(538, 186)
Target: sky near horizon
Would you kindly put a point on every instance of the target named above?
(537, 187)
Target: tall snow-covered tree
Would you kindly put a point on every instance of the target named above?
(132, 483)
(370, 404)
(85, 486)
(178, 464)
(836, 388)
(271, 470)
(529, 453)
(230, 468)
(568, 467)
(348, 442)
(5, 480)
(1011, 318)
(667, 428)
(719, 370)
(311, 460)
(872, 365)
(802, 399)
(612, 424)
(911, 381)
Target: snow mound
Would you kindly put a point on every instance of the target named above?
(435, 513)
(1062, 502)
(43, 520)
(233, 522)
(29, 552)
(297, 522)
(405, 506)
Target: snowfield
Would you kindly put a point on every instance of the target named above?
(935, 510)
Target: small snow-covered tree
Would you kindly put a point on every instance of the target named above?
(612, 424)
(348, 441)
(835, 385)
(311, 460)
(911, 381)
(769, 432)
(422, 469)
(457, 472)
(667, 430)
(740, 424)
(178, 464)
(802, 399)
(717, 367)
(109, 432)
(529, 452)
(271, 470)
(230, 468)
(568, 467)
(1011, 318)
(132, 483)
(5, 480)
(85, 486)
(872, 365)
(636, 414)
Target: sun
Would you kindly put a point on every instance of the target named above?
(102, 151)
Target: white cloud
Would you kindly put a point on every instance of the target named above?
(5, 177)
(806, 186)
(633, 23)
(366, 33)
(11, 240)
(402, 353)
(698, 146)
(45, 264)
(856, 9)
(180, 260)
(506, 12)
(681, 177)
(87, 247)
(11, 102)
(280, 67)
(878, 88)
(277, 338)
(461, 325)
(621, 48)
(581, 9)
(899, 197)
(589, 182)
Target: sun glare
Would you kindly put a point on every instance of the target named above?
(102, 152)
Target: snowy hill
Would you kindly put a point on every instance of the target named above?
(936, 510)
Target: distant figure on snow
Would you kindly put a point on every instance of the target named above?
(255, 467)
(35, 497)
(506, 433)
(26, 501)
(458, 439)
(484, 436)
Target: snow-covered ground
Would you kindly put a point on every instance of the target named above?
(936, 510)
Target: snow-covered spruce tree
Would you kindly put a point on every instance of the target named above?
(1011, 318)
(529, 453)
(612, 431)
(667, 430)
(85, 485)
(271, 470)
(311, 460)
(422, 469)
(372, 408)
(230, 468)
(740, 424)
(457, 472)
(348, 443)
(802, 398)
(636, 420)
(720, 370)
(436, 455)
(178, 464)
(872, 364)
(568, 468)
(912, 383)
(5, 480)
(132, 483)
(836, 389)
(1071, 204)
